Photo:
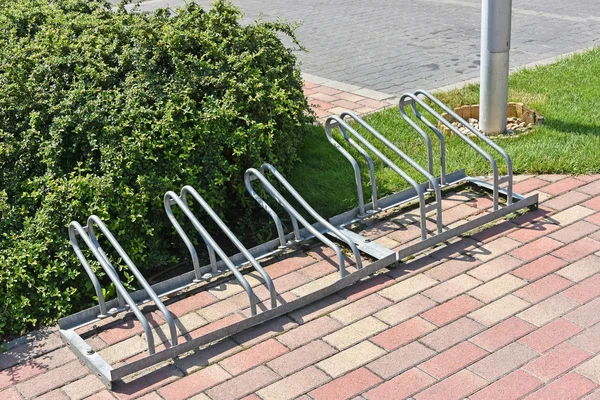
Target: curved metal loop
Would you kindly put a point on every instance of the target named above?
(401, 105)
(418, 189)
(170, 195)
(273, 214)
(106, 260)
(190, 245)
(114, 277)
(313, 213)
(433, 183)
(93, 219)
(480, 135)
(269, 282)
(252, 172)
(464, 137)
(76, 229)
(357, 176)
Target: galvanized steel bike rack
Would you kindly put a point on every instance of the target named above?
(323, 230)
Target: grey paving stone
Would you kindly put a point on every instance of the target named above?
(391, 46)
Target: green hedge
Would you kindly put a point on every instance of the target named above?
(102, 111)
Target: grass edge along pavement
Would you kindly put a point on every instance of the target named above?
(568, 142)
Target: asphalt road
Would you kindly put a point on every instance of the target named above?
(398, 45)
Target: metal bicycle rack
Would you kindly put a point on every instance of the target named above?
(331, 232)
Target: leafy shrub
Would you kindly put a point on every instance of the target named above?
(102, 111)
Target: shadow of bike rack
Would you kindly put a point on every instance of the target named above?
(332, 232)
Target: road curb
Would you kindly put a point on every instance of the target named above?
(532, 65)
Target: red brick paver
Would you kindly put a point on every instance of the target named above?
(457, 386)
(562, 186)
(550, 335)
(348, 386)
(557, 361)
(540, 267)
(256, 355)
(401, 386)
(452, 360)
(502, 334)
(569, 387)
(512, 387)
(585, 290)
(452, 310)
(195, 383)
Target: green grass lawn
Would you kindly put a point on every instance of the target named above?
(567, 94)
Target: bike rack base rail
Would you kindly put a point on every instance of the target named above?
(386, 258)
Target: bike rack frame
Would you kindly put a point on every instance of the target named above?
(323, 230)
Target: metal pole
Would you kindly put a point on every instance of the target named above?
(495, 48)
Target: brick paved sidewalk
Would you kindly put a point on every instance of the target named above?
(327, 97)
(509, 312)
